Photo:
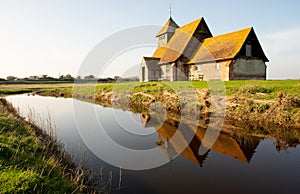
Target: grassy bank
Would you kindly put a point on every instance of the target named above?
(269, 88)
(261, 102)
(25, 88)
(27, 165)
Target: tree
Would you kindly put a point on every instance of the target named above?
(89, 77)
(34, 77)
(68, 76)
(117, 78)
(11, 78)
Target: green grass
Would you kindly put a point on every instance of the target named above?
(17, 91)
(260, 89)
(25, 165)
(269, 87)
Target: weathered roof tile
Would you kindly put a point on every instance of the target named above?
(159, 52)
(222, 47)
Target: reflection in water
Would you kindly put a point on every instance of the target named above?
(239, 148)
(237, 162)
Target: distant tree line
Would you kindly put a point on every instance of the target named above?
(45, 77)
(68, 78)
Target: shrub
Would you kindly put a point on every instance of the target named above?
(254, 89)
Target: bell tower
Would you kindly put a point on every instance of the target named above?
(166, 32)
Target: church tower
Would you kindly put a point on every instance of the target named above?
(166, 32)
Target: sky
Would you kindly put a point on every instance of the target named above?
(55, 37)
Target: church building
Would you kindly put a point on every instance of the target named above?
(191, 52)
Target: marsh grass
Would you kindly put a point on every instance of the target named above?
(108, 183)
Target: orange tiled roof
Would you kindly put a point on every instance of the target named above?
(221, 47)
(176, 45)
(159, 52)
(225, 144)
(168, 131)
(169, 24)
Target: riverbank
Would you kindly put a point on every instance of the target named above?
(257, 103)
(33, 162)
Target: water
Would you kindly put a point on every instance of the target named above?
(235, 164)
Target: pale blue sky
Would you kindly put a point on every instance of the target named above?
(54, 36)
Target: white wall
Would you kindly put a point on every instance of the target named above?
(212, 71)
(143, 64)
(152, 71)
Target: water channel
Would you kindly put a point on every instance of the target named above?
(234, 164)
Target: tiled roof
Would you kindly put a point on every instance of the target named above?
(169, 24)
(176, 45)
(159, 52)
(188, 150)
(221, 47)
(227, 145)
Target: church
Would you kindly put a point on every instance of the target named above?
(191, 52)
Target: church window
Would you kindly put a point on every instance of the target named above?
(248, 50)
(218, 66)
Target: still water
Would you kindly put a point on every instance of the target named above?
(234, 164)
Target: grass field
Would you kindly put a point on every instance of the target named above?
(269, 88)
(23, 88)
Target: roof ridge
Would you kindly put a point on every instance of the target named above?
(197, 20)
(169, 23)
(194, 24)
(151, 57)
(250, 28)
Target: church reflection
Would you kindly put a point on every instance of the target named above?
(188, 140)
